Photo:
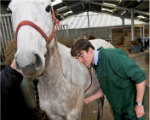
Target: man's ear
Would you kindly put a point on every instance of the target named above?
(90, 50)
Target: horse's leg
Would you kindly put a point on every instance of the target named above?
(75, 114)
(100, 102)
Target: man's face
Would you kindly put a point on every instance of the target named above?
(85, 57)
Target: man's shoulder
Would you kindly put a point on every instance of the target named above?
(106, 51)
(112, 52)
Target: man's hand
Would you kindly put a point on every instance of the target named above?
(13, 64)
(139, 110)
(87, 100)
(95, 96)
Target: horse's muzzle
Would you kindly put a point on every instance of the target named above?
(29, 65)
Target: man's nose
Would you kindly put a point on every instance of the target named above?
(80, 60)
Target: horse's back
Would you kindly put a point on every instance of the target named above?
(97, 43)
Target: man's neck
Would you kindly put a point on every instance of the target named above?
(93, 56)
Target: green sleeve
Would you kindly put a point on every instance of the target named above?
(126, 68)
(27, 90)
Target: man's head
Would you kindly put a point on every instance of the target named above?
(83, 50)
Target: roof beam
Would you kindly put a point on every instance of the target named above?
(122, 16)
(141, 12)
(68, 7)
(102, 4)
(83, 6)
(140, 4)
(121, 8)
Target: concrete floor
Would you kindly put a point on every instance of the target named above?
(90, 111)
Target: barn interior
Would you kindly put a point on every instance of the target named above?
(123, 23)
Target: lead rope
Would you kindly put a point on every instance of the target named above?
(39, 110)
(40, 114)
(89, 69)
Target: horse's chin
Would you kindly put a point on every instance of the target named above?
(32, 75)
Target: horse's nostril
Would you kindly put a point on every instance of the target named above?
(38, 62)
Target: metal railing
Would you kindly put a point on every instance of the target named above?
(6, 33)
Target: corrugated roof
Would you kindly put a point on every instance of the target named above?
(120, 8)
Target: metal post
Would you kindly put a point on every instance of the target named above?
(76, 32)
(143, 36)
(140, 31)
(9, 28)
(111, 36)
(122, 20)
(13, 28)
(143, 31)
(6, 26)
(88, 22)
(132, 24)
(67, 32)
(4, 35)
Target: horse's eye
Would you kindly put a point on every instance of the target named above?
(48, 8)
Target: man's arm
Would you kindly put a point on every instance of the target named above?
(139, 109)
(129, 70)
(95, 96)
(10, 79)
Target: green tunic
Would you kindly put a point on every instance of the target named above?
(118, 74)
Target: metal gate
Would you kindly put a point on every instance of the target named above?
(6, 33)
(62, 33)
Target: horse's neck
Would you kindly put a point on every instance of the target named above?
(59, 64)
(53, 59)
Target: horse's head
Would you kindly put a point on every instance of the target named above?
(31, 44)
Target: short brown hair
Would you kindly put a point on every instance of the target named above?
(81, 44)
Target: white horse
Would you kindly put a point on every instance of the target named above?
(62, 79)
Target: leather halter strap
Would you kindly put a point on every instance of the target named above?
(29, 23)
(55, 19)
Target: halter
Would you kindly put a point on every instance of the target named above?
(29, 23)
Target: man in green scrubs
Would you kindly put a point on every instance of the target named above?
(122, 81)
